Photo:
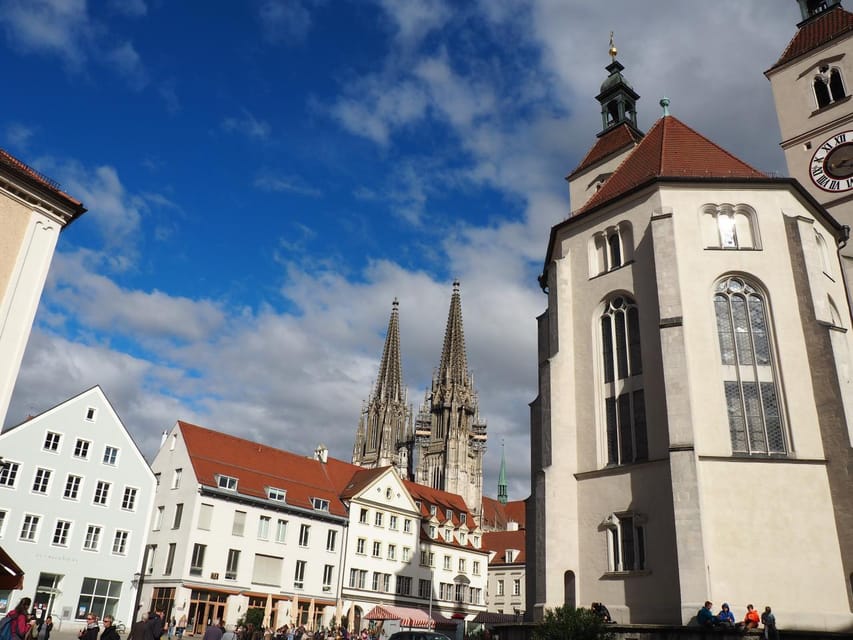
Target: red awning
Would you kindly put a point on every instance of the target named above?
(408, 616)
(11, 575)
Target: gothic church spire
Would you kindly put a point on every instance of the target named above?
(503, 494)
(384, 436)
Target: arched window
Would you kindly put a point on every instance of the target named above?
(626, 541)
(611, 248)
(824, 253)
(749, 381)
(828, 86)
(729, 226)
(624, 403)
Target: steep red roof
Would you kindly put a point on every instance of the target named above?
(360, 480)
(500, 541)
(497, 515)
(670, 149)
(257, 466)
(442, 501)
(614, 140)
(25, 171)
(831, 24)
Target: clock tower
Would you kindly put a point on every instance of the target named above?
(812, 84)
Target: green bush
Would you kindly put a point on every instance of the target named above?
(567, 623)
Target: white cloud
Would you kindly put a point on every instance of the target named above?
(286, 183)
(414, 20)
(284, 21)
(127, 62)
(18, 135)
(129, 8)
(246, 124)
(55, 27)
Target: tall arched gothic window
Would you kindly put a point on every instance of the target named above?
(828, 86)
(749, 380)
(624, 402)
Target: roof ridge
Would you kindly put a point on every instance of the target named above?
(709, 141)
(811, 34)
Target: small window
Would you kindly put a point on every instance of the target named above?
(328, 573)
(407, 526)
(226, 482)
(377, 519)
(110, 455)
(304, 532)
(319, 504)
(626, 542)
(197, 562)
(281, 531)
(92, 542)
(231, 564)
(475, 567)
(299, 575)
(392, 551)
(51, 441)
(462, 567)
(158, 518)
(727, 226)
(128, 501)
(102, 493)
(179, 514)
(362, 516)
(91, 412)
(432, 532)
(377, 549)
(359, 546)
(170, 559)
(828, 86)
(264, 527)
(433, 510)
(463, 518)
(331, 539)
(9, 473)
(447, 563)
(238, 526)
(392, 523)
(60, 533)
(407, 554)
(176, 478)
(611, 248)
(81, 449)
(278, 495)
(41, 481)
(120, 543)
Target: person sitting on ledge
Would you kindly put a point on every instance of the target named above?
(726, 618)
(705, 617)
(601, 611)
(750, 620)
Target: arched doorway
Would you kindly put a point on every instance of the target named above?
(357, 613)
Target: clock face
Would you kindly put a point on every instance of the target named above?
(831, 167)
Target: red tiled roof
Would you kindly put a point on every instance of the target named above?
(822, 29)
(23, 170)
(257, 466)
(360, 480)
(497, 515)
(611, 142)
(670, 149)
(500, 541)
(442, 500)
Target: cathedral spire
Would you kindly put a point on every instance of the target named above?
(503, 495)
(454, 362)
(389, 383)
(618, 99)
(384, 435)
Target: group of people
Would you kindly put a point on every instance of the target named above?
(725, 619)
(27, 626)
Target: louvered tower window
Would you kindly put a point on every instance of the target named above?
(749, 380)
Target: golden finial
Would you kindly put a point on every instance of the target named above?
(613, 51)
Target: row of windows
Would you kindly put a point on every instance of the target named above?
(267, 528)
(10, 473)
(381, 583)
(31, 525)
(516, 587)
(53, 444)
(749, 382)
(379, 520)
(724, 226)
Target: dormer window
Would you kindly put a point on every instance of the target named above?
(433, 510)
(448, 534)
(463, 518)
(418, 504)
(226, 482)
(432, 532)
(278, 495)
(448, 514)
(828, 86)
(319, 504)
(510, 555)
(461, 537)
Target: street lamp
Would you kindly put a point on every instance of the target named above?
(425, 554)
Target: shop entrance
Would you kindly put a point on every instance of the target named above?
(206, 608)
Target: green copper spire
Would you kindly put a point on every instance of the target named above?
(502, 485)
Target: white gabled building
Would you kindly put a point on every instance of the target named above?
(241, 525)
(75, 497)
(314, 541)
(409, 546)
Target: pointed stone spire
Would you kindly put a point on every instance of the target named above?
(385, 434)
(389, 383)
(503, 494)
(454, 361)
(450, 434)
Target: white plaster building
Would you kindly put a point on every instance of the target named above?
(33, 210)
(239, 525)
(507, 570)
(75, 497)
(691, 438)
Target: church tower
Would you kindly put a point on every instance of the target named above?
(384, 435)
(450, 435)
(812, 82)
(503, 493)
(618, 136)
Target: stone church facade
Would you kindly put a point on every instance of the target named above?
(691, 438)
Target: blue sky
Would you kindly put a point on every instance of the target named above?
(264, 177)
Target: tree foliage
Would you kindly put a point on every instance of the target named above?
(568, 623)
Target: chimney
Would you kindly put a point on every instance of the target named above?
(321, 453)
